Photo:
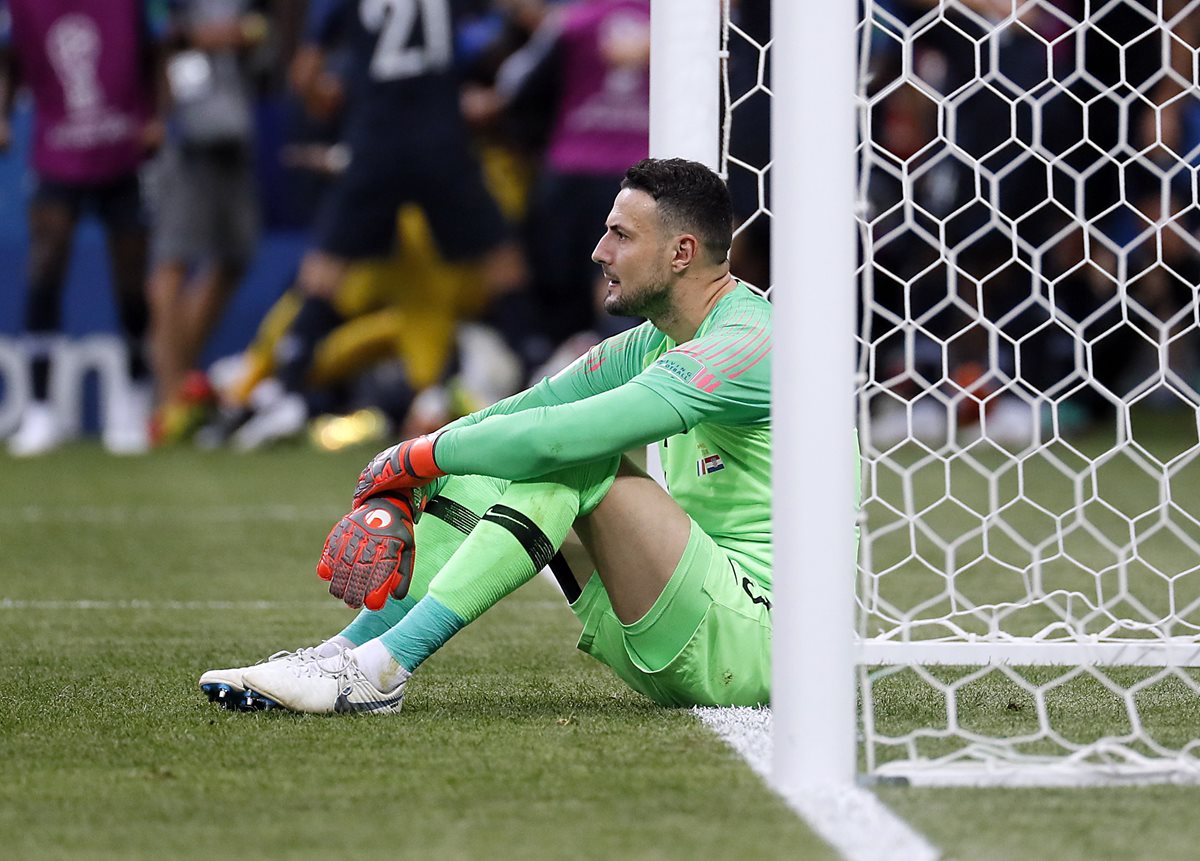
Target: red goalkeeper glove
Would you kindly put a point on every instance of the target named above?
(405, 465)
(369, 553)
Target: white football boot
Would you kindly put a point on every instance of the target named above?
(332, 685)
(226, 688)
(127, 419)
(278, 415)
(39, 432)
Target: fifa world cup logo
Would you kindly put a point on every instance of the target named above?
(73, 45)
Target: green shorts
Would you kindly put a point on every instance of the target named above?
(706, 640)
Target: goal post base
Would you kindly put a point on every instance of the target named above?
(1169, 652)
(1184, 771)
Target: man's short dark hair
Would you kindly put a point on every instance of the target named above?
(691, 198)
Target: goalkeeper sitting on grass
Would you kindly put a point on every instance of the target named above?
(679, 602)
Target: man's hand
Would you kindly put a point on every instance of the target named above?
(406, 465)
(369, 553)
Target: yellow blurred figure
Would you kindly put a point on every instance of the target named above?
(404, 307)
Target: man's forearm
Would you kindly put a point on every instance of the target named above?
(540, 440)
(540, 395)
(411, 464)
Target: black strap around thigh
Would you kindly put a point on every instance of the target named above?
(541, 551)
(454, 513)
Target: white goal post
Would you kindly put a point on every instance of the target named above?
(986, 246)
(812, 184)
(813, 747)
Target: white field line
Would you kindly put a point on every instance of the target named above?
(555, 604)
(136, 604)
(852, 820)
(136, 514)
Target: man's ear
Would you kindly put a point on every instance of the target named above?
(687, 247)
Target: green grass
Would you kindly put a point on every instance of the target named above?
(1084, 517)
(988, 519)
(1151, 823)
(512, 744)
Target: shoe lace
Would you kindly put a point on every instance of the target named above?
(338, 665)
(302, 655)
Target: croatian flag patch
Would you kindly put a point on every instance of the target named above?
(709, 465)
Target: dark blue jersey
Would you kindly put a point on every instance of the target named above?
(400, 58)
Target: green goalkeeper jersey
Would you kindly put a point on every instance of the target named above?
(707, 402)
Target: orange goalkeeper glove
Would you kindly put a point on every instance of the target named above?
(369, 554)
(405, 465)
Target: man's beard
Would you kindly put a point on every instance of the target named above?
(649, 302)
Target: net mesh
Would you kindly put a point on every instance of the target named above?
(1029, 351)
(745, 151)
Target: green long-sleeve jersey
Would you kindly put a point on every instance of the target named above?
(706, 401)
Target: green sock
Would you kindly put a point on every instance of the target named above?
(422, 632)
(449, 517)
(514, 540)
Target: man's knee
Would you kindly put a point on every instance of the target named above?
(637, 534)
(589, 481)
(606, 475)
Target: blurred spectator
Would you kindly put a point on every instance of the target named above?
(961, 260)
(92, 78)
(205, 203)
(406, 141)
(586, 68)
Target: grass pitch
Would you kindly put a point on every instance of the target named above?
(512, 744)
(122, 580)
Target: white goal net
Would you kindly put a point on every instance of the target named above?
(1028, 358)
(1029, 351)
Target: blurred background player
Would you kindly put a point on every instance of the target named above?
(205, 198)
(91, 71)
(406, 141)
(395, 347)
(586, 70)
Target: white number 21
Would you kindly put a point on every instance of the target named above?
(395, 21)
